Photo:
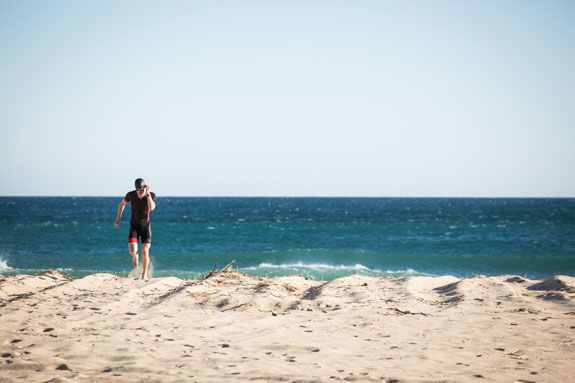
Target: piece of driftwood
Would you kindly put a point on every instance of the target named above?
(227, 269)
(235, 307)
(170, 293)
(406, 312)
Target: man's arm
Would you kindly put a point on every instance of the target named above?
(121, 207)
(151, 203)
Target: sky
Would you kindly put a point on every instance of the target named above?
(288, 98)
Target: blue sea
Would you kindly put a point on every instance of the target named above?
(319, 238)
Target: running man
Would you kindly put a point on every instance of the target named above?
(142, 202)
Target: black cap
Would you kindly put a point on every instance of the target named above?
(139, 183)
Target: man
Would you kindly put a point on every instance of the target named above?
(142, 202)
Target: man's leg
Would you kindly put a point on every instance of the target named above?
(145, 259)
(133, 248)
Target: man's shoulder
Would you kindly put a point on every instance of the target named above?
(130, 195)
(153, 195)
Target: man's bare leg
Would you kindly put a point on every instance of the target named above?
(145, 259)
(133, 248)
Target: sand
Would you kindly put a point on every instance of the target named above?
(233, 327)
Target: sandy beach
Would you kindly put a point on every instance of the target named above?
(234, 327)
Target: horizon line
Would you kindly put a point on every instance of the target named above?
(294, 196)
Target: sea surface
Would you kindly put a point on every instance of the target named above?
(319, 238)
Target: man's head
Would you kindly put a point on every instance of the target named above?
(140, 184)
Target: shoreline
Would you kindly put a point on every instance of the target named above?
(237, 327)
(303, 271)
(313, 272)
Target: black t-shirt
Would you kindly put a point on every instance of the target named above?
(140, 209)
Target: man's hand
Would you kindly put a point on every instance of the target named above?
(117, 224)
(148, 191)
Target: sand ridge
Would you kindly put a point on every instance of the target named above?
(235, 327)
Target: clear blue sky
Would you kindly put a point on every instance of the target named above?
(288, 98)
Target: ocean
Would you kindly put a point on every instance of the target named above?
(319, 238)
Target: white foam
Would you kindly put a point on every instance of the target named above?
(4, 265)
(313, 266)
(325, 268)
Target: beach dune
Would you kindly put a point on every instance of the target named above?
(235, 327)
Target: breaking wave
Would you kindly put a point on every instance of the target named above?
(321, 270)
(4, 265)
